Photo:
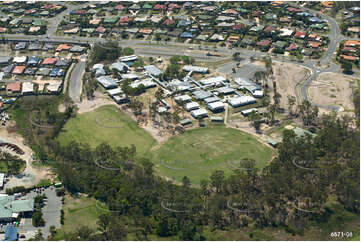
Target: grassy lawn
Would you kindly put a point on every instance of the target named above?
(93, 128)
(78, 211)
(199, 152)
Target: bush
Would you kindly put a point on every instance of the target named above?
(37, 219)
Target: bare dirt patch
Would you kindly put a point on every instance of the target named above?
(287, 75)
(31, 175)
(332, 89)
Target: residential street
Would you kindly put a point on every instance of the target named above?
(75, 82)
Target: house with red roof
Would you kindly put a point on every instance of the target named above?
(230, 12)
(18, 70)
(352, 43)
(314, 44)
(160, 7)
(238, 27)
(172, 6)
(100, 30)
(124, 20)
(119, 7)
(348, 57)
(300, 35)
(49, 61)
(14, 87)
(62, 47)
(168, 22)
(291, 47)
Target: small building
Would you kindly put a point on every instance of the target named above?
(196, 69)
(216, 106)
(272, 142)
(213, 81)
(33, 61)
(114, 92)
(246, 112)
(241, 101)
(185, 122)
(107, 82)
(201, 94)
(54, 87)
(183, 98)
(211, 100)
(14, 87)
(191, 106)
(147, 83)
(225, 90)
(250, 86)
(131, 76)
(152, 70)
(217, 119)
(19, 60)
(199, 113)
(43, 72)
(119, 66)
(128, 58)
(5, 60)
(77, 49)
(28, 88)
(49, 61)
(122, 98)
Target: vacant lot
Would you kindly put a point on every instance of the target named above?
(199, 152)
(287, 76)
(331, 89)
(106, 124)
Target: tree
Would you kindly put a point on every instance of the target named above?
(108, 51)
(347, 67)
(128, 51)
(186, 182)
(236, 56)
(291, 103)
(271, 110)
(217, 178)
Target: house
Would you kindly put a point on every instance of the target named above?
(30, 71)
(72, 31)
(173, 6)
(241, 101)
(199, 113)
(146, 31)
(352, 43)
(264, 44)
(48, 47)
(216, 106)
(286, 32)
(77, 49)
(43, 72)
(230, 12)
(152, 70)
(233, 39)
(156, 19)
(314, 44)
(49, 61)
(196, 69)
(34, 29)
(141, 19)
(34, 46)
(224, 18)
(5, 60)
(110, 20)
(95, 21)
(54, 87)
(13, 87)
(250, 86)
(238, 27)
(292, 47)
(27, 88)
(183, 23)
(20, 46)
(350, 58)
(18, 70)
(300, 35)
(119, 7)
(125, 20)
(33, 61)
(160, 7)
(100, 30)
(280, 44)
(7, 69)
(56, 72)
(186, 35)
(216, 37)
(20, 60)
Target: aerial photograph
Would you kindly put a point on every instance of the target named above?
(179, 120)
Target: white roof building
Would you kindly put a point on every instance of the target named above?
(286, 32)
(197, 69)
(131, 76)
(241, 101)
(128, 58)
(183, 98)
(199, 113)
(98, 66)
(54, 87)
(27, 87)
(148, 83)
(2, 176)
(216, 106)
(214, 81)
(250, 86)
(20, 59)
(115, 91)
(152, 70)
(248, 111)
(191, 106)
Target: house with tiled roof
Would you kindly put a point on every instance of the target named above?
(168, 22)
(119, 7)
(348, 57)
(233, 39)
(160, 7)
(62, 47)
(13, 87)
(291, 47)
(300, 35)
(238, 27)
(230, 12)
(146, 31)
(314, 44)
(49, 61)
(100, 29)
(173, 6)
(352, 43)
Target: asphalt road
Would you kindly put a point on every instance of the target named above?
(75, 82)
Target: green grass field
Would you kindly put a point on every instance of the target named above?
(196, 153)
(199, 152)
(93, 128)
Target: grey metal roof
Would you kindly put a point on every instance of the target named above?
(211, 99)
(154, 71)
(201, 94)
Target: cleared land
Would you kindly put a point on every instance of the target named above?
(287, 75)
(332, 88)
(199, 152)
(106, 124)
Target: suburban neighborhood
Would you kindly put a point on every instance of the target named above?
(183, 120)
